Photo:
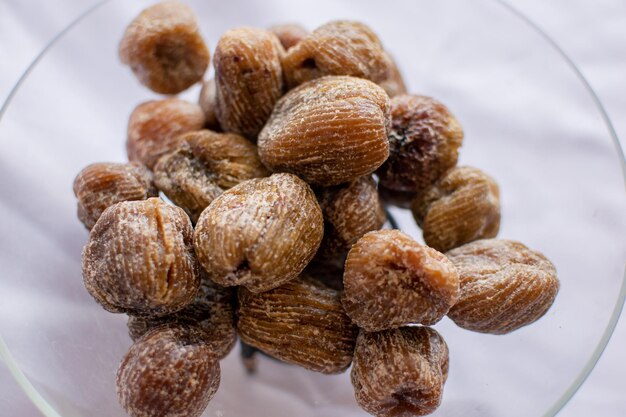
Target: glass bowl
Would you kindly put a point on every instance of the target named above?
(531, 121)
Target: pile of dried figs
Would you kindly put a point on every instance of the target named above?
(272, 226)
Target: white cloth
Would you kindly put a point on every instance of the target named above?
(592, 34)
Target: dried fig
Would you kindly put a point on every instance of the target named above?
(390, 280)
(350, 211)
(301, 322)
(248, 79)
(260, 233)
(154, 128)
(463, 206)
(140, 260)
(328, 131)
(100, 185)
(212, 311)
(204, 165)
(504, 285)
(423, 144)
(337, 48)
(169, 372)
(400, 372)
(164, 48)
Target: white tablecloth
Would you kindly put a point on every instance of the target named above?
(592, 33)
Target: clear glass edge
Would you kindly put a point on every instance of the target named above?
(619, 305)
(22, 380)
(47, 410)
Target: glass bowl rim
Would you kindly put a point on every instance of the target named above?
(47, 410)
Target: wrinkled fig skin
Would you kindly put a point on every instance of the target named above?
(337, 48)
(289, 34)
(208, 103)
(212, 311)
(350, 211)
(301, 322)
(154, 128)
(205, 164)
(169, 372)
(393, 84)
(328, 131)
(423, 144)
(390, 281)
(140, 260)
(463, 206)
(248, 79)
(164, 48)
(400, 372)
(504, 286)
(100, 185)
(260, 233)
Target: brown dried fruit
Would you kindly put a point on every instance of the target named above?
(164, 48)
(423, 144)
(400, 372)
(99, 186)
(139, 259)
(328, 131)
(212, 311)
(154, 128)
(208, 103)
(390, 280)
(504, 286)
(204, 165)
(337, 48)
(289, 34)
(248, 79)
(350, 211)
(301, 322)
(393, 84)
(463, 206)
(260, 233)
(169, 372)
